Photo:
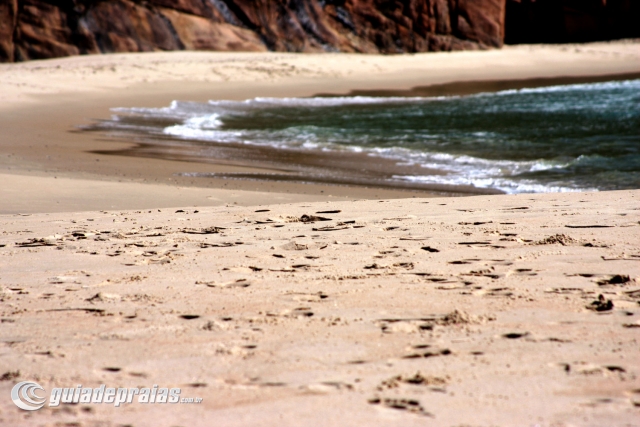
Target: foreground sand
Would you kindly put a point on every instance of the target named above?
(445, 311)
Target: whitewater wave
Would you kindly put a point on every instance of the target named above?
(459, 150)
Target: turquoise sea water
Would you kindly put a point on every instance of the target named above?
(559, 138)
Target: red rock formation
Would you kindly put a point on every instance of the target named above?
(34, 29)
(481, 21)
(43, 31)
(8, 19)
(125, 26)
(199, 33)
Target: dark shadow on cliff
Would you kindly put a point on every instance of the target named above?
(570, 21)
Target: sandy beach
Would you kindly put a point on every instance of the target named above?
(304, 304)
(42, 103)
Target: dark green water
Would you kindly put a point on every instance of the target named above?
(560, 138)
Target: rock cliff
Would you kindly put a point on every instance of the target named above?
(35, 29)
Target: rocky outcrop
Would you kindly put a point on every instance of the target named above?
(8, 19)
(36, 29)
(44, 31)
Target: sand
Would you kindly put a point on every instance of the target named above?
(443, 311)
(283, 308)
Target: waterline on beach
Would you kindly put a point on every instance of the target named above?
(553, 139)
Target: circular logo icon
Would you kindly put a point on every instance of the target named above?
(24, 396)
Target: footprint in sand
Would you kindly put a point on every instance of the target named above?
(521, 272)
(328, 387)
(104, 297)
(196, 385)
(464, 261)
(138, 374)
(56, 280)
(635, 397)
(631, 325)
(207, 230)
(569, 291)
(224, 323)
(412, 325)
(588, 369)
(475, 244)
(308, 297)
(339, 226)
(240, 283)
(205, 245)
(414, 380)
(53, 240)
(389, 326)
(615, 279)
(484, 273)
(420, 352)
(497, 292)
(293, 246)
(515, 335)
(308, 219)
(409, 405)
(296, 313)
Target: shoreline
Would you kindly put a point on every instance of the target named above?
(285, 304)
(79, 90)
(462, 88)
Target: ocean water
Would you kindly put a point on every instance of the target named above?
(551, 139)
